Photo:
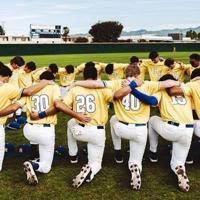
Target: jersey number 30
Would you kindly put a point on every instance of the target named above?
(40, 103)
(85, 104)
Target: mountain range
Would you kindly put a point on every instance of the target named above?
(163, 32)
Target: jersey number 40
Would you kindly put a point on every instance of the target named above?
(131, 103)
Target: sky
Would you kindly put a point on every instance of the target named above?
(80, 15)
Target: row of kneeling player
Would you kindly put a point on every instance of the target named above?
(87, 103)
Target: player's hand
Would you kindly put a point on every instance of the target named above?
(138, 82)
(125, 83)
(83, 118)
(72, 85)
(34, 116)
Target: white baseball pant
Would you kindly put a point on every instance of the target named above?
(137, 136)
(95, 139)
(180, 136)
(45, 137)
(197, 128)
(2, 145)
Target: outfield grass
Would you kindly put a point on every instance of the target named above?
(113, 180)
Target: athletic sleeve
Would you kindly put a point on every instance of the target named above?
(157, 95)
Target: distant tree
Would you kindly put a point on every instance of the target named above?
(65, 33)
(81, 40)
(198, 36)
(108, 31)
(194, 35)
(2, 32)
(189, 33)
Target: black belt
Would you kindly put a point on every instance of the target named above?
(177, 124)
(44, 125)
(98, 127)
(132, 123)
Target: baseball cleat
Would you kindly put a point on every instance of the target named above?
(153, 157)
(82, 176)
(183, 181)
(73, 159)
(30, 173)
(118, 156)
(135, 177)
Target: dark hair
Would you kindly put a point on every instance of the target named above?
(1, 64)
(5, 71)
(90, 72)
(167, 77)
(109, 69)
(69, 69)
(195, 73)
(90, 64)
(195, 56)
(54, 68)
(31, 65)
(47, 75)
(168, 62)
(132, 70)
(18, 60)
(134, 59)
(153, 55)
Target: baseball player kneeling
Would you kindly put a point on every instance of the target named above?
(175, 125)
(92, 102)
(132, 112)
(41, 131)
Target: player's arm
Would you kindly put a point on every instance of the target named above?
(147, 99)
(168, 84)
(93, 84)
(126, 89)
(9, 109)
(60, 105)
(150, 100)
(35, 88)
(175, 91)
(39, 115)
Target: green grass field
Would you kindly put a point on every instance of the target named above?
(113, 180)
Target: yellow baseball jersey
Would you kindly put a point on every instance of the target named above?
(118, 71)
(155, 70)
(65, 79)
(41, 101)
(130, 109)
(36, 74)
(93, 102)
(178, 72)
(80, 68)
(14, 79)
(176, 108)
(192, 89)
(25, 79)
(8, 93)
